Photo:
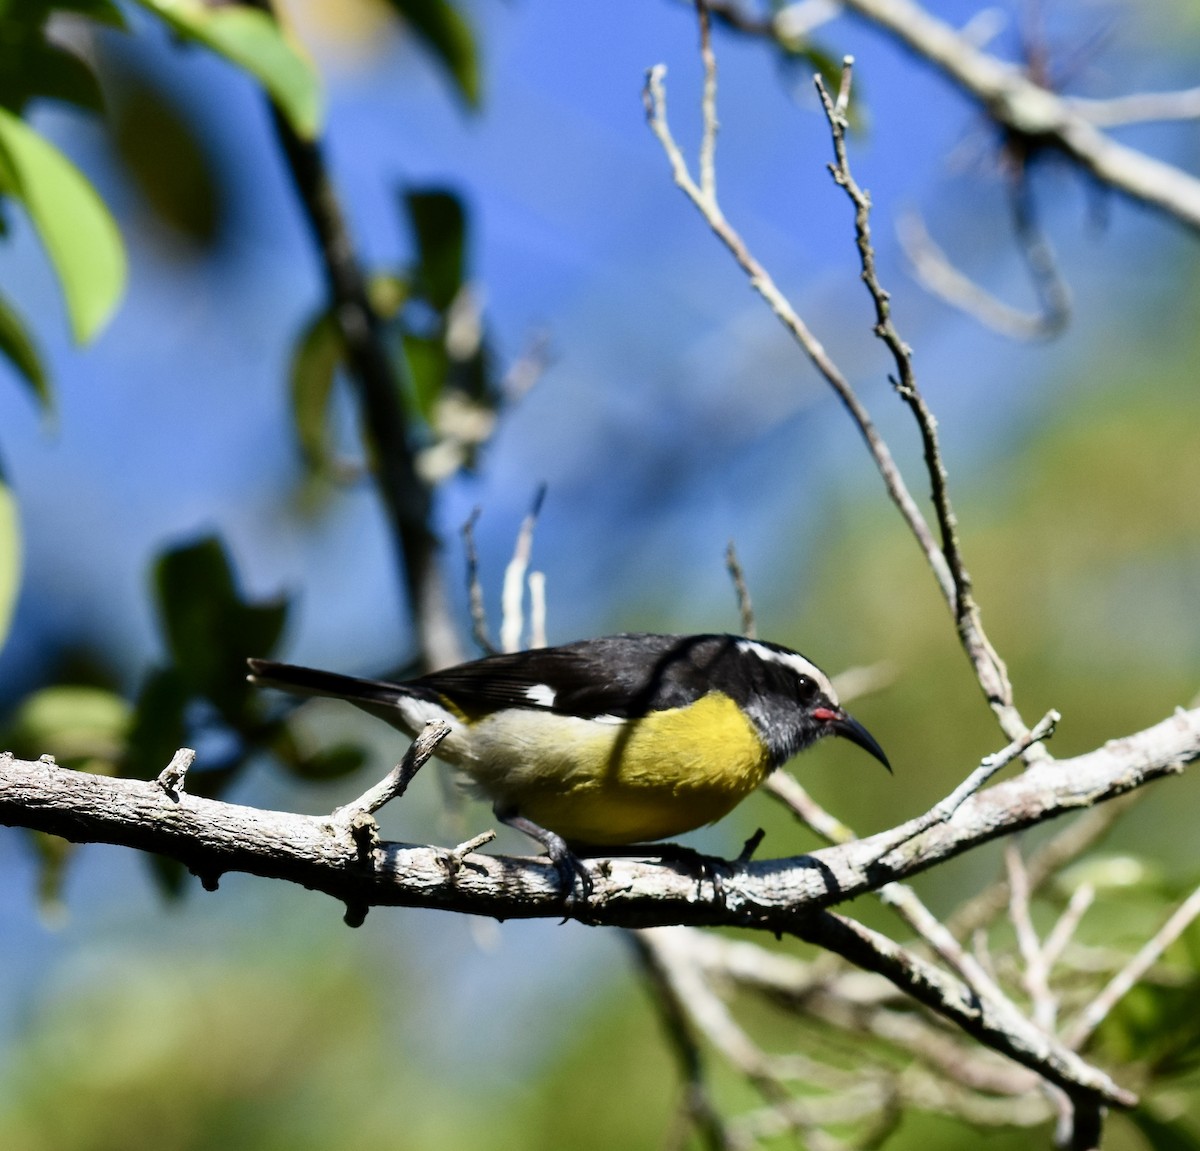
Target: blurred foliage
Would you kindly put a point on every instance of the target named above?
(10, 556)
(431, 315)
(443, 29)
(32, 65)
(253, 41)
(198, 1054)
(19, 348)
(163, 152)
(295, 1051)
(200, 696)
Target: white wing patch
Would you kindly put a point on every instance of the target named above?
(541, 695)
(793, 660)
(417, 712)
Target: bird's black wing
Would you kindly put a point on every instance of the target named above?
(621, 675)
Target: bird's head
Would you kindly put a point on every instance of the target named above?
(793, 703)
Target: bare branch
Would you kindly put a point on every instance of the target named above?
(396, 782)
(765, 894)
(708, 106)
(791, 792)
(1037, 969)
(1139, 107)
(537, 609)
(699, 1107)
(993, 1022)
(1063, 930)
(1015, 101)
(939, 276)
(1068, 844)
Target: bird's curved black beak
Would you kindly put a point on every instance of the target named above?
(841, 723)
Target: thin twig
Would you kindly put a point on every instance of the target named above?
(1037, 972)
(993, 1021)
(791, 792)
(1067, 845)
(173, 777)
(708, 101)
(745, 605)
(1150, 952)
(479, 628)
(901, 897)
(1016, 102)
(537, 609)
(1063, 931)
(694, 993)
(512, 620)
(655, 100)
(395, 783)
(855, 682)
(989, 668)
(934, 270)
(943, 810)
(1139, 107)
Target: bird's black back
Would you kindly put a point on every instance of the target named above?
(621, 675)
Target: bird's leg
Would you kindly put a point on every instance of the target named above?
(568, 865)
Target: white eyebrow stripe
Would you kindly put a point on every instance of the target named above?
(794, 660)
(541, 695)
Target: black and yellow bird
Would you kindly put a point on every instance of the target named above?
(613, 741)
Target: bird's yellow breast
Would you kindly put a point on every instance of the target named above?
(606, 780)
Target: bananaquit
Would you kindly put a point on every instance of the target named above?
(612, 741)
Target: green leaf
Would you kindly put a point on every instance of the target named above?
(61, 75)
(159, 726)
(428, 367)
(30, 67)
(53, 855)
(170, 876)
(19, 349)
(444, 31)
(440, 231)
(329, 763)
(80, 726)
(75, 227)
(102, 11)
(10, 556)
(31, 63)
(1165, 1134)
(806, 57)
(254, 42)
(315, 361)
(1109, 872)
(210, 630)
(166, 157)
(1156, 1026)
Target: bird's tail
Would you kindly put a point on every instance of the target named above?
(312, 681)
